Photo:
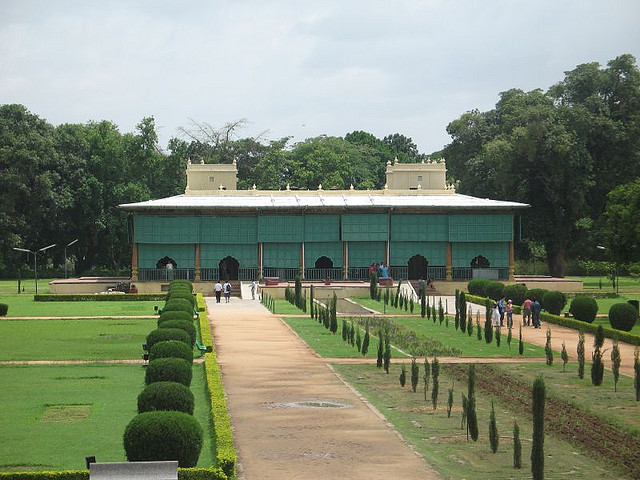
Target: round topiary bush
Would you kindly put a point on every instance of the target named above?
(494, 290)
(183, 294)
(536, 293)
(179, 304)
(168, 370)
(171, 349)
(181, 283)
(623, 316)
(175, 315)
(478, 287)
(553, 302)
(164, 334)
(162, 435)
(166, 396)
(183, 325)
(4, 308)
(515, 293)
(584, 309)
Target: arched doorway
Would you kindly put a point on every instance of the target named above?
(164, 261)
(228, 268)
(324, 262)
(480, 262)
(417, 267)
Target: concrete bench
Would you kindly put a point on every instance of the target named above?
(166, 470)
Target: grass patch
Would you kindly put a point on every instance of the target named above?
(53, 416)
(282, 307)
(24, 306)
(10, 286)
(88, 339)
(328, 345)
(442, 442)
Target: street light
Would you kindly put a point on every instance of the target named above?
(65, 256)
(35, 264)
(615, 269)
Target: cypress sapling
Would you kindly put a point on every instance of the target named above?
(415, 374)
(494, 438)
(580, 351)
(565, 356)
(517, 446)
(450, 401)
(537, 447)
(615, 364)
(367, 339)
(403, 375)
(547, 348)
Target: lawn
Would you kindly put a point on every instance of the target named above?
(329, 345)
(10, 286)
(593, 283)
(24, 306)
(282, 307)
(52, 417)
(82, 339)
(442, 442)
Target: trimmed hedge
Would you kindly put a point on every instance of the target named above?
(554, 302)
(211, 473)
(516, 293)
(183, 325)
(184, 295)
(4, 308)
(494, 290)
(171, 349)
(179, 304)
(98, 297)
(163, 334)
(202, 306)
(169, 370)
(180, 282)
(166, 396)
(478, 286)
(584, 309)
(175, 315)
(225, 450)
(623, 316)
(536, 293)
(163, 435)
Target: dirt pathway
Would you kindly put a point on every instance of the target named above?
(293, 418)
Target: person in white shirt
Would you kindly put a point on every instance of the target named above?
(218, 290)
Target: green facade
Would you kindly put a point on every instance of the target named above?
(314, 250)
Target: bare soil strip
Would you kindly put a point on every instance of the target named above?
(574, 425)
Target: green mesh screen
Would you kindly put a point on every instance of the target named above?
(363, 254)
(149, 254)
(165, 229)
(283, 255)
(480, 228)
(228, 230)
(280, 228)
(364, 227)
(313, 251)
(496, 253)
(245, 254)
(419, 228)
(434, 252)
(322, 228)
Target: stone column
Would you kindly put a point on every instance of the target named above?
(260, 276)
(302, 266)
(197, 269)
(512, 261)
(345, 260)
(448, 268)
(134, 263)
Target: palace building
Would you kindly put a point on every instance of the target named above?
(417, 225)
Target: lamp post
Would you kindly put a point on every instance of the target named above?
(615, 270)
(35, 263)
(65, 255)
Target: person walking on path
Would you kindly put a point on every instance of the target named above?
(536, 308)
(526, 312)
(227, 291)
(254, 288)
(495, 316)
(218, 290)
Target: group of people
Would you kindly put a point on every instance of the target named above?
(379, 269)
(225, 288)
(530, 313)
(219, 288)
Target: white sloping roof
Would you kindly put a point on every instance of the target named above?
(319, 201)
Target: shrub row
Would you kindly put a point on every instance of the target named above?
(164, 428)
(98, 297)
(4, 308)
(225, 450)
(551, 301)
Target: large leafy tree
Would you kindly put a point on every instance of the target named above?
(622, 223)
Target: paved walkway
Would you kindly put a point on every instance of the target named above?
(276, 389)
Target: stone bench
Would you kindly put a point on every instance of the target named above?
(165, 470)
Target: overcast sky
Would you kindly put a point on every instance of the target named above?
(297, 68)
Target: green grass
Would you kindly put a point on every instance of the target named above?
(368, 302)
(328, 345)
(97, 402)
(592, 283)
(24, 306)
(618, 407)
(443, 444)
(10, 286)
(86, 339)
(285, 308)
